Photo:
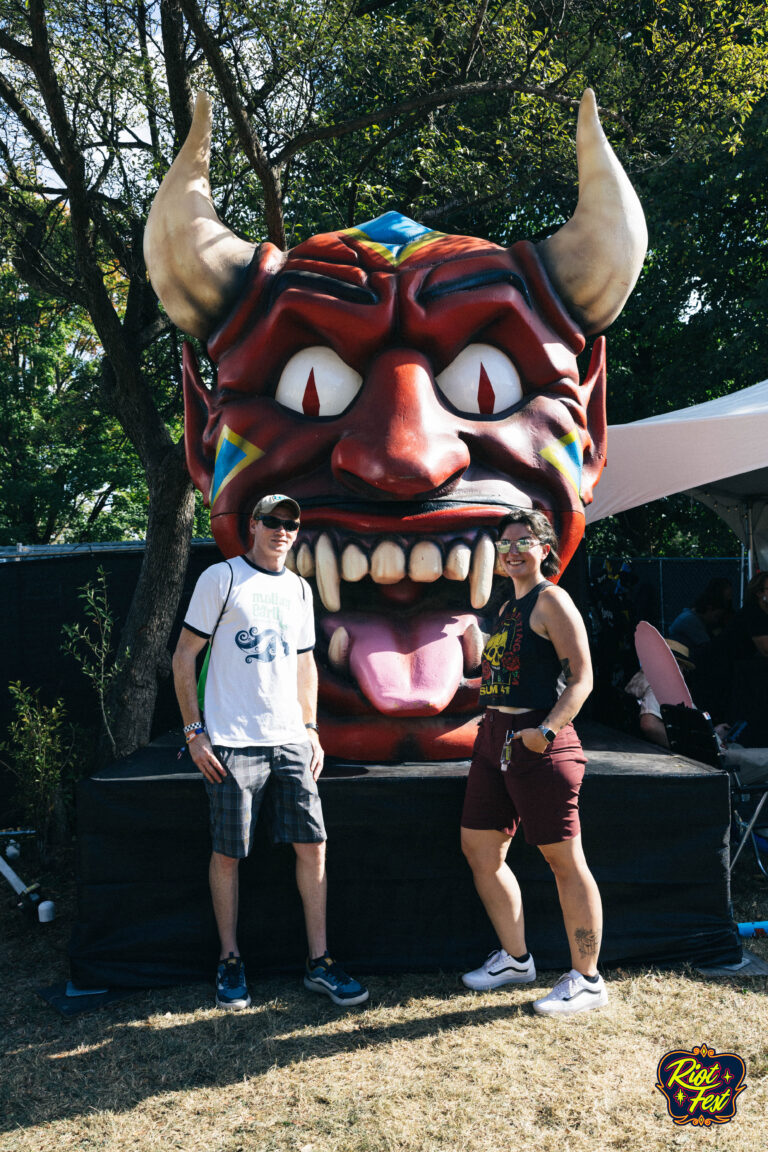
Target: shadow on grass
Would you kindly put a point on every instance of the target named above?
(169, 1041)
(118, 1057)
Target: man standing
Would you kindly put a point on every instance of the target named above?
(259, 740)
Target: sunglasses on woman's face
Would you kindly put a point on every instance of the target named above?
(524, 544)
(276, 522)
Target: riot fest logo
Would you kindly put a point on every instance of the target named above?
(701, 1086)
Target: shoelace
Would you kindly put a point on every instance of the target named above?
(232, 977)
(568, 984)
(334, 969)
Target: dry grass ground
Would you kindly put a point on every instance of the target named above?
(426, 1067)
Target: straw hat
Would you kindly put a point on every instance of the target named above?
(681, 652)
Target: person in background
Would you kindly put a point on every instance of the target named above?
(651, 724)
(614, 617)
(749, 628)
(720, 591)
(527, 768)
(697, 626)
(731, 681)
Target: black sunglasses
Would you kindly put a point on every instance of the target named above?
(276, 522)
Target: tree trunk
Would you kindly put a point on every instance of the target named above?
(144, 640)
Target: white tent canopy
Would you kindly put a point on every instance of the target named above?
(717, 451)
(742, 501)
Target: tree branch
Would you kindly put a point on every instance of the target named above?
(473, 39)
(426, 103)
(269, 177)
(28, 254)
(176, 71)
(132, 399)
(150, 332)
(458, 204)
(372, 152)
(27, 118)
(16, 49)
(146, 72)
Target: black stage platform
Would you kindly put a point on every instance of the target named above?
(655, 829)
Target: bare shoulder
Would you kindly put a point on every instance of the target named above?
(555, 598)
(555, 606)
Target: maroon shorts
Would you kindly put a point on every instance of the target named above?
(539, 790)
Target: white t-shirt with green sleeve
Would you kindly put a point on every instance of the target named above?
(251, 691)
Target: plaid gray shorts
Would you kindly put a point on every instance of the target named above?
(280, 776)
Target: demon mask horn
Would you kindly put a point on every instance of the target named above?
(197, 265)
(595, 259)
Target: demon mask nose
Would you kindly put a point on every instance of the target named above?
(402, 443)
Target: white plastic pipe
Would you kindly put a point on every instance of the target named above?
(15, 882)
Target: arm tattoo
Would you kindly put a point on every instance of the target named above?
(566, 667)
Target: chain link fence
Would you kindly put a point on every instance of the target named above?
(660, 588)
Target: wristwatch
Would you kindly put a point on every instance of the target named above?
(311, 725)
(547, 733)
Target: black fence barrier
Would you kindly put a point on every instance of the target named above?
(40, 594)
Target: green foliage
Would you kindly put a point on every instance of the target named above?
(40, 747)
(694, 329)
(92, 646)
(497, 158)
(91, 401)
(202, 527)
(66, 469)
(674, 526)
(460, 114)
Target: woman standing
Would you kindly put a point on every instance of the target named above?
(527, 769)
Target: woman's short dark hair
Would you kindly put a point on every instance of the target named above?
(541, 529)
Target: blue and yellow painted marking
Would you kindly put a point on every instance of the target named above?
(233, 454)
(393, 236)
(566, 455)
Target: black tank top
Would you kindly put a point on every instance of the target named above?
(520, 668)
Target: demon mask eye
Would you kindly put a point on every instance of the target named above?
(317, 382)
(481, 380)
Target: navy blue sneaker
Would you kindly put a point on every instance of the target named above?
(329, 979)
(231, 988)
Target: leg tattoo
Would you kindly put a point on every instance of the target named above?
(587, 941)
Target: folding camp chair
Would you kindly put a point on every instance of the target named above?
(691, 733)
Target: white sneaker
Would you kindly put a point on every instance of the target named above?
(500, 968)
(572, 994)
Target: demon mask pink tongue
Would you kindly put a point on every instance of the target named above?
(410, 667)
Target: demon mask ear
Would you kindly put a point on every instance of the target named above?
(597, 423)
(197, 412)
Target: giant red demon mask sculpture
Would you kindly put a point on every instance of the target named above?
(406, 387)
